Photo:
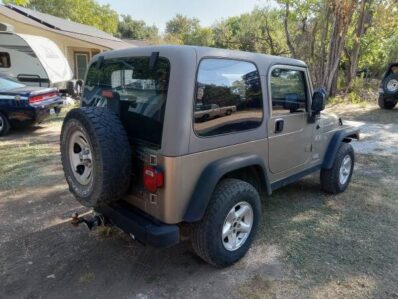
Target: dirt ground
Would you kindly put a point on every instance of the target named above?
(311, 245)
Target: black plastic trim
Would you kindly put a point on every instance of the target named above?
(211, 176)
(144, 228)
(294, 178)
(345, 134)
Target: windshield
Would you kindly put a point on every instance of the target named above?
(133, 89)
(8, 84)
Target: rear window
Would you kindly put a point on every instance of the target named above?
(133, 89)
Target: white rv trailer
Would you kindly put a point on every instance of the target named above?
(34, 60)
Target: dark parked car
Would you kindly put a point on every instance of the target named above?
(388, 92)
(22, 105)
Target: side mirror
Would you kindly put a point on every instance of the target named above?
(318, 101)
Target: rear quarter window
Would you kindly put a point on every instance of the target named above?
(228, 97)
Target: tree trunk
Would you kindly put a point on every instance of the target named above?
(360, 30)
(343, 11)
(288, 39)
(324, 37)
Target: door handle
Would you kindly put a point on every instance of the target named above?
(279, 124)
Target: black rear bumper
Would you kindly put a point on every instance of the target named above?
(144, 228)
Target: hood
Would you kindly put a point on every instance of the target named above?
(329, 121)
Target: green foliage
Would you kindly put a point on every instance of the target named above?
(17, 2)
(183, 30)
(130, 28)
(378, 46)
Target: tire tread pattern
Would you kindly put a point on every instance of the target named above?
(330, 177)
(111, 151)
(203, 233)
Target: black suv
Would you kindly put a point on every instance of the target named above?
(388, 91)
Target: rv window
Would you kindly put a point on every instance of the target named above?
(5, 61)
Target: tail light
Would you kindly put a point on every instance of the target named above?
(153, 178)
(43, 97)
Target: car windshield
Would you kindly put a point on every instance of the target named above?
(8, 84)
(133, 89)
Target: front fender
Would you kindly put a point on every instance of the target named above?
(345, 135)
(210, 177)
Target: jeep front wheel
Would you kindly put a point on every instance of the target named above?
(231, 221)
(96, 155)
(336, 179)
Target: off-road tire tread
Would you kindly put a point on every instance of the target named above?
(203, 245)
(6, 125)
(330, 177)
(111, 149)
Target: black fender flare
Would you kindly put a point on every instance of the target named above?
(345, 135)
(210, 177)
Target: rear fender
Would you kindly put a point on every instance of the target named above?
(211, 176)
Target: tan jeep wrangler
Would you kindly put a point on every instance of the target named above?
(136, 153)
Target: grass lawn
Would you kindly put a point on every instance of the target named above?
(343, 246)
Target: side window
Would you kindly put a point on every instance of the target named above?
(228, 97)
(5, 61)
(288, 91)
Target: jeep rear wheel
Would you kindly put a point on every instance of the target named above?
(231, 221)
(96, 155)
(336, 179)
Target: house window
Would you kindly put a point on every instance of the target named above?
(5, 61)
(81, 63)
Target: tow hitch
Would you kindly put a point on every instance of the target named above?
(90, 221)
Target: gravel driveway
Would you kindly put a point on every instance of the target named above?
(376, 138)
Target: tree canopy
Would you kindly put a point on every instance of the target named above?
(130, 28)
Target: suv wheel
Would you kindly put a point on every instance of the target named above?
(231, 221)
(4, 124)
(96, 155)
(385, 103)
(336, 179)
(390, 84)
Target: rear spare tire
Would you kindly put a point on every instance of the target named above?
(390, 85)
(96, 155)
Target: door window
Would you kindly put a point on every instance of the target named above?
(228, 97)
(288, 91)
(81, 60)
